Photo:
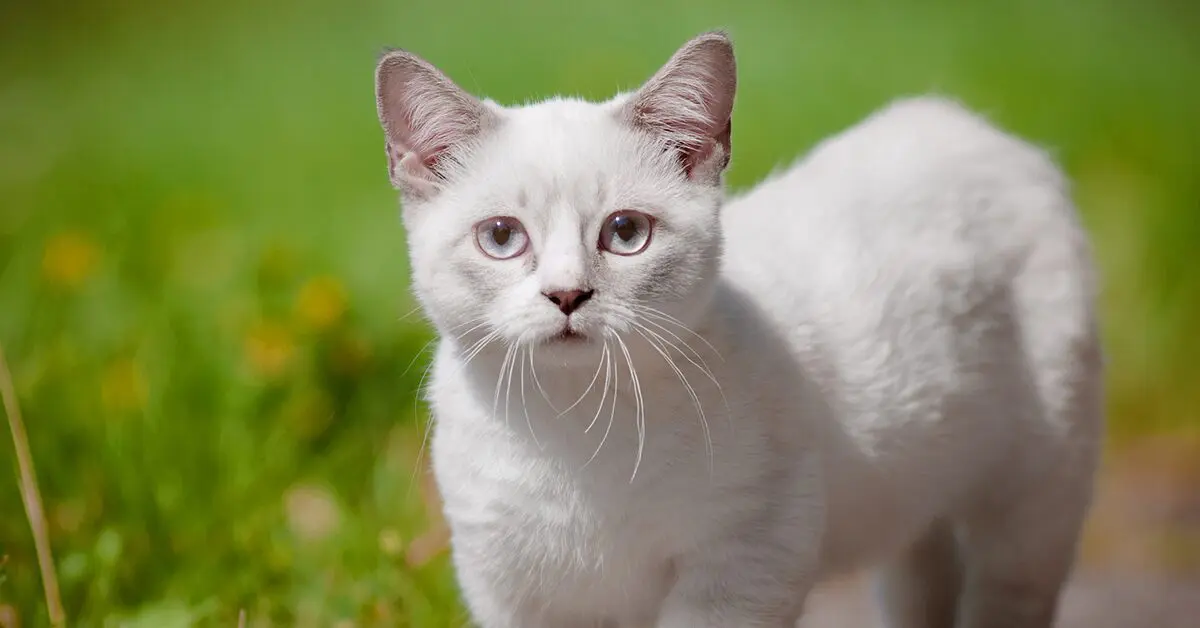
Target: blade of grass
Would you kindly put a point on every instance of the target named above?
(30, 496)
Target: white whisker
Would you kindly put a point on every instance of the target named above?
(607, 362)
(651, 312)
(687, 385)
(410, 313)
(609, 365)
(469, 354)
(478, 322)
(538, 383)
(462, 335)
(478, 347)
(420, 352)
(512, 367)
(595, 376)
(524, 404)
(500, 382)
(703, 365)
(639, 409)
(425, 430)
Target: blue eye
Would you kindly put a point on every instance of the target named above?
(626, 232)
(501, 237)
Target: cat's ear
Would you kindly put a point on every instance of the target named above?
(426, 118)
(689, 105)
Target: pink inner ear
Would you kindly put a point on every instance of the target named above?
(410, 165)
(689, 157)
(724, 139)
(432, 160)
(425, 116)
(689, 102)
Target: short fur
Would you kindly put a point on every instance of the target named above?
(885, 356)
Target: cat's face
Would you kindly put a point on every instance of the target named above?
(558, 224)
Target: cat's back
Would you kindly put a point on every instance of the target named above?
(916, 216)
(919, 173)
(914, 253)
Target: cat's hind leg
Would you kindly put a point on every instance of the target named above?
(920, 588)
(1019, 536)
(1017, 563)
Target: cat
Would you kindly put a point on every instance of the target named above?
(655, 406)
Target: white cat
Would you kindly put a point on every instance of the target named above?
(656, 407)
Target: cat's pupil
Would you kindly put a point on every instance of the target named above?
(624, 228)
(500, 234)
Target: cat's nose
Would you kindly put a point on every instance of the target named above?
(569, 300)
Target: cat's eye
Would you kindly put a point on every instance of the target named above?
(626, 232)
(501, 237)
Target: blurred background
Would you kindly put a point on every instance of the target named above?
(203, 281)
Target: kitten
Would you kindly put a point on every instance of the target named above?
(658, 407)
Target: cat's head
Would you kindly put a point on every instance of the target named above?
(557, 223)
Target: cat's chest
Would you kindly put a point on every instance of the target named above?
(599, 509)
(592, 550)
(594, 499)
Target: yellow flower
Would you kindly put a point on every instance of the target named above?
(269, 349)
(69, 259)
(312, 512)
(350, 354)
(123, 387)
(308, 411)
(321, 302)
(390, 542)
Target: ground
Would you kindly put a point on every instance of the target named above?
(1094, 600)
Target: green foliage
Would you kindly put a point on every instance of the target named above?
(203, 281)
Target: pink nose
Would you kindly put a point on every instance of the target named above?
(569, 300)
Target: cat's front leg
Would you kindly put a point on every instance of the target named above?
(744, 585)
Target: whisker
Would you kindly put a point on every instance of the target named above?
(427, 428)
(538, 383)
(410, 313)
(462, 335)
(416, 357)
(500, 381)
(595, 376)
(421, 351)
(478, 347)
(648, 311)
(639, 408)
(690, 349)
(604, 394)
(609, 365)
(425, 431)
(708, 447)
(702, 367)
(524, 404)
(508, 389)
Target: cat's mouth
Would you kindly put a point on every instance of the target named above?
(568, 336)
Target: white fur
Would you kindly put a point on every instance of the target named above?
(891, 348)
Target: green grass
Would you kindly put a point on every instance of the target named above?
(203, 278)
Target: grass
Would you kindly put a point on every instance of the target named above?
(203, 279)
(31, 495)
